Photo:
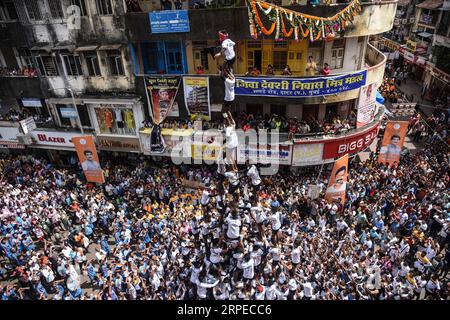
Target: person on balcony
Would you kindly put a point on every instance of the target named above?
(326, 70)
(270, 71)
(287, 71)
(255, 72)
(311, 67)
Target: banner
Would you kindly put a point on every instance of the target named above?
(294, 88)
(349, 144)
(307, 154)
(196, 97)
(338, 181)
(313, 191)
(264, 153)
(366, 105)
(87, 153)
(393, 139)
(161, 93)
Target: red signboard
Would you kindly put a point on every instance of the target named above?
(349, 144)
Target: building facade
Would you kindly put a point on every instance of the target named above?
(78, 65)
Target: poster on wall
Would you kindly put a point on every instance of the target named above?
(87, 154)
(366, 105)
(393, 139)
(294, 88)
(307, 154)
(161, 93)
(196, 97)
(338, 181)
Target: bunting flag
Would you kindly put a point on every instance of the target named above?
(286, 23)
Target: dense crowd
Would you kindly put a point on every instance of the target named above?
(145, 235)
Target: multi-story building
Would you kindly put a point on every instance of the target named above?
(103, 56)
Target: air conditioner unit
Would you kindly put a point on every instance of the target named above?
(25, 139)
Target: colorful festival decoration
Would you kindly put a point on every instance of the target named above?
(287, 23)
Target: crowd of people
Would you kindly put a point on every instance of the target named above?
(292, 126)
(144, 234)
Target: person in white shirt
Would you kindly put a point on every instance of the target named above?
(230, 82)
(233, 180)
(234, 226)
(253, 174)
(232, 140)
(227, 50)
(248, 265)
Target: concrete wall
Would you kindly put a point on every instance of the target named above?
(204, 23)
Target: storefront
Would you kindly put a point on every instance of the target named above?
(116, 122)
(9, 136)
(56, 145)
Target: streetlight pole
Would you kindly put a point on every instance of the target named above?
(74, 106)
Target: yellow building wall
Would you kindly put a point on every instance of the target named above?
(190, 57)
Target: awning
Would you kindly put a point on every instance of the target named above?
(69, 47)
(425, 35)
(44, 47)
(86, 48)
(110, 47)
(110, 101)
(430, 4)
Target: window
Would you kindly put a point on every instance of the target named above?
(104, 7)
(92, 63)
(47, 65)
(73, 64)
(115, 62)
(316, 44)
(279, 60)
(339, 43)
(84, 116)
(25, 58)
(337, 58)
(200, 59)
(254, 44)
(33, 10)
(8, 10)
(80, 4)
(280, 44)
(56, 9)
(115, 120)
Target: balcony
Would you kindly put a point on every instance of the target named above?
(375, 63)
(375, 18)
(20, 86)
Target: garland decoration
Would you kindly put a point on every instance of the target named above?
(286, 23)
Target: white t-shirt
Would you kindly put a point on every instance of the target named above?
(215, 255)
(254, 175)
(295, 255)
(232, 138)
(229, 89)
(233, 178)
(205, 197)
(249, 271)
(275, 221)
(234, 225)
(228, 47)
